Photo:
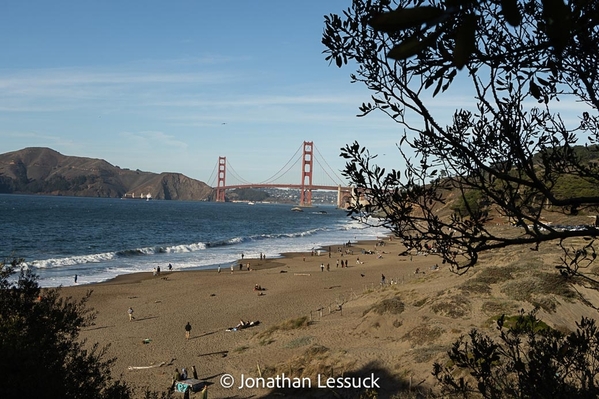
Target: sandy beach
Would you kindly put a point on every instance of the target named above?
(344, 322)
(294, 287)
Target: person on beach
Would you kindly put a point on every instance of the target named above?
(75, 279)
(130, 312)
(194, 372)
(170, 267)
(382, 279)
(231, 269)
(183, 374)
(158, 270)
(187, 330)
(177, 375)
(322, 267)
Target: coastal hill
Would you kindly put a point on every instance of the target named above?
(38, 170)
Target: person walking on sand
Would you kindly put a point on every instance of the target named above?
(187, 330)
(130, 312)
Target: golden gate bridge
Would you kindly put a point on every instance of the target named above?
(330, 180)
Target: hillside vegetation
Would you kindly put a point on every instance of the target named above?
(38, 170)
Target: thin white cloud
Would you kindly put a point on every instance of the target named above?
(30, 83)
(45, 88)
(42, 140)
(154, 139)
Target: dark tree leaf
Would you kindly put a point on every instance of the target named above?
(404, 18)
(410, 47)
(511, 12)
(465, 41)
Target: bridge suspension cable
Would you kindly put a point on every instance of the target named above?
(306, 186)
(235, 174)
(338, 180)
(326, 171)
(212, 178)
(279, 172)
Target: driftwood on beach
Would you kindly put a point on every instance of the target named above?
(146, 367)
(222, 353)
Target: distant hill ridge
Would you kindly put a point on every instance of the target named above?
(39, 170)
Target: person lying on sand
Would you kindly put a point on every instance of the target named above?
(243, 324)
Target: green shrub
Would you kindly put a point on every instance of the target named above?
(39, 331)
(391, 306)
(530, 360)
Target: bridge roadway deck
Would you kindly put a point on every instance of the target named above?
(297, 186)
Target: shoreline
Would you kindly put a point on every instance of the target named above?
(256, 264)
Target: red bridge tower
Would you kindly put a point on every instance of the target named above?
(222, 172)
(306, 189)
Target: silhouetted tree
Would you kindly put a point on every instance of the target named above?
(529, 360)
(40, 354)
(510, 151)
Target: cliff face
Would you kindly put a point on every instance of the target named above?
(45, 171)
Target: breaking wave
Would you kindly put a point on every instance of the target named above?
(170, 249)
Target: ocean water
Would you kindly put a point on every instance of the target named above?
(100, 238)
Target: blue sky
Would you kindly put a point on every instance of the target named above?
(171, 86)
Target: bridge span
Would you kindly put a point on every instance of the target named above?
(306, 186)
